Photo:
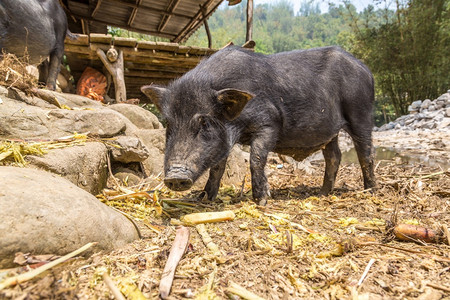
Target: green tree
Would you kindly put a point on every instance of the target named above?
(407, 50)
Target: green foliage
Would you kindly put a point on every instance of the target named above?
(276, 27)
(119, 32)
(407, 50)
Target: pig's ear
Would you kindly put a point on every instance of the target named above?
(234, 102)
(154, 93)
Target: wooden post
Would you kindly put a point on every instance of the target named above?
(113, 62)
(205, 22)
(249, 20)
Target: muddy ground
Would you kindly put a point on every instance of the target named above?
(300, 246)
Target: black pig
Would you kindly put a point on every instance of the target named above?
(292, 103)
(38, 27)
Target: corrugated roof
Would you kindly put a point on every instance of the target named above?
(173, 19)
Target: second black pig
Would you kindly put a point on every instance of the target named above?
(37, 28)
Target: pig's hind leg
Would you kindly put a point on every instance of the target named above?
(362, 140)
(332, 155)
(54, 67)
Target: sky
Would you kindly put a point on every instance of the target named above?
(359, 4)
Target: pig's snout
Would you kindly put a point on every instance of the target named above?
(177, 179)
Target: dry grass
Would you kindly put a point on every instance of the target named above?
(300, 246)
(13, 73)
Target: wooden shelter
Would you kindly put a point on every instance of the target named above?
(144, 62)
(139, 62)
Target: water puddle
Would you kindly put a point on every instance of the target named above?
(388, 155)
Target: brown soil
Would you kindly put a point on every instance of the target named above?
(324, 258)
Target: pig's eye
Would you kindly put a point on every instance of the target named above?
(203, 122)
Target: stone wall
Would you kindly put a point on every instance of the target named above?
(427, 114)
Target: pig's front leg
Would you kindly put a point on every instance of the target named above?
(261, 145)
(213, 184)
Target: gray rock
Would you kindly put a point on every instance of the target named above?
(444, 97)
(19, 120)
(103, 122)
(3, 91)
(140, 117)
(84, 166)
(43, 213)
(426, 103)
(447, 112)
(412, 109)
(398, 126)
(428, 125)
(431, 114)
(445, 123)
(17, 94)
(129, 179)
(384, 127)
(409, 121)
(154, 140)
(432, 107)
(440, 104)
(416, 104)
(420, 116)
(418, 124)
(72, 100)
(440, 116)
(131, 150)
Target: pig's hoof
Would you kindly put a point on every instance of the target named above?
(324, 191)
(261, 202)
(51, 87)
(203, 196)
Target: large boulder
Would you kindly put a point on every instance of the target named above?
(19, 120)
(42, 213)
(141, 118)
(84, 165)
(102, 123)
(128, 149)
(154, 141)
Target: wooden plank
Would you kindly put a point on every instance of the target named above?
(81, 39)
(165, 18)
(125, 42)
(142, 56)
(100, 38)
(149, 45)
(173, 47)
(184, 49)
(134, 13)
(133, 54)
(161, 46)
(152, 67)
(151, 74)
(99, 2)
